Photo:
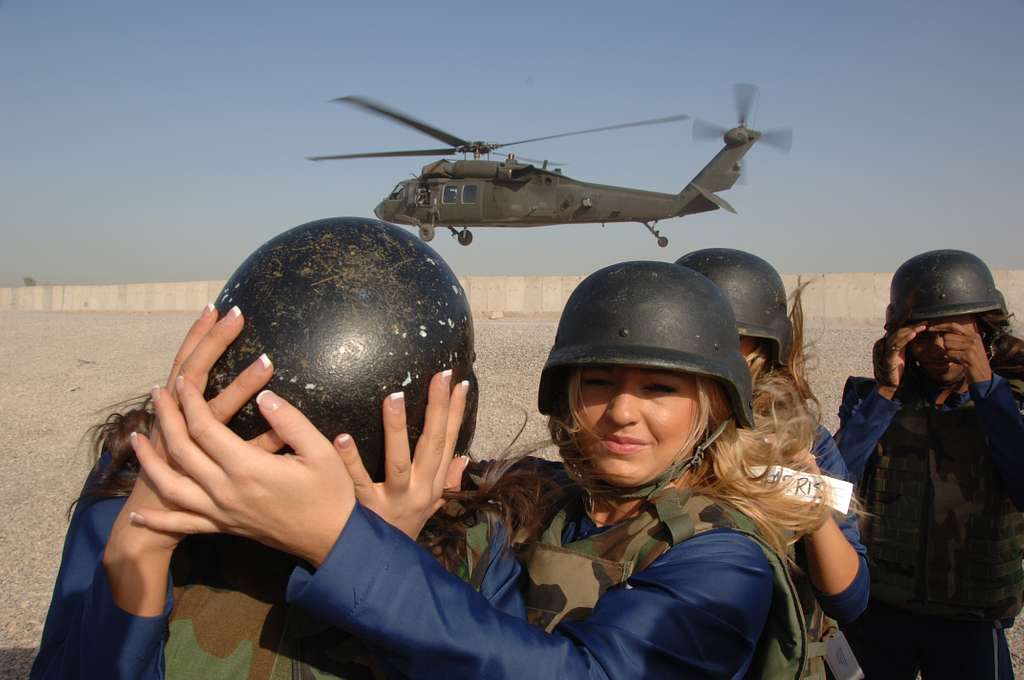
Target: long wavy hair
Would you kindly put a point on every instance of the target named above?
(766, 370)
(730, 471)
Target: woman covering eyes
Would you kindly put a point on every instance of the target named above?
(657, 549)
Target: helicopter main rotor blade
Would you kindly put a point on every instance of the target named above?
(386, 154)
(745, 96)
(778, 138)
(654, 121)
(380, 109)
(702, 130)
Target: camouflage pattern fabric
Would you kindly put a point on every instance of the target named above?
(565, 581)
(943, 537)
(230, 619)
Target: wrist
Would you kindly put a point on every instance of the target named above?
(316, 552)
(886, 392)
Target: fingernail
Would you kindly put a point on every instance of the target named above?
(265, 360)
(235, 312)
(132, 437)
(154, 393)
(446, 377)
(136, 519)
(268, 400)
(343, 441)
(464, 385)
(396, 401)
(179, 382)
(209, 308)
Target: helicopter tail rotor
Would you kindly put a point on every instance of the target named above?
(745, 98)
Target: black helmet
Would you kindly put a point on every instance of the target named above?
(941, 283)
(349, 310)
(755, 291)
(651, 314)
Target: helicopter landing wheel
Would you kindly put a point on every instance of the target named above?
(465, 237)
(426, 233)
(662, 241)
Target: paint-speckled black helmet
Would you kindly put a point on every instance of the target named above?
(349, 310)
(941, 283)
(653, 315)
(755, 291)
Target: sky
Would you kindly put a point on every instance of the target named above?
(154, 141)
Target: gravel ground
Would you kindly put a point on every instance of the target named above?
(61, 372)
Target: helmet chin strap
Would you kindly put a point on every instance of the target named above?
(674, 472)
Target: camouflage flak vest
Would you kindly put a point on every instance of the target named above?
(566, 581)
(943, 537)
(231, 621)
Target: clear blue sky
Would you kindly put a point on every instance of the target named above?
(147, 141)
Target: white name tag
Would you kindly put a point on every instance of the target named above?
(808, 487)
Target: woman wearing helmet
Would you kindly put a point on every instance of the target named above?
(658, 553)
(343, 291)
(936, 438)
(833, 557)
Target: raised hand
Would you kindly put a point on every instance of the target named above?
(412, 488)
(965, 346)
(136, 558)
(890, 357)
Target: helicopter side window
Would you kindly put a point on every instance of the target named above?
(397, 192)
(469, 193)
(451, 193)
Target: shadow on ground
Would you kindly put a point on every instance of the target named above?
(15, 663)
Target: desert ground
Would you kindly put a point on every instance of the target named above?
(61, 373)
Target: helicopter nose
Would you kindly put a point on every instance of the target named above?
(379, 211)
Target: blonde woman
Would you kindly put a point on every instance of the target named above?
(659, 552)
(771, 339)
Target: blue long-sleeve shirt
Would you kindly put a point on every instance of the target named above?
(864, 416)
(696, 612)
(848, 604)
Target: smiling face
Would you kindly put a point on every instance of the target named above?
(929, 350)
(635, 422)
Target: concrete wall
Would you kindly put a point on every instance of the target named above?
(830, 299)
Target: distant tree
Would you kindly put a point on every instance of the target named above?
(29, 281)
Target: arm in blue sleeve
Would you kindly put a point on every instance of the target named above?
(1000, 413)
(847, 605)
(862, 422)
(86, 634)
(697, 611)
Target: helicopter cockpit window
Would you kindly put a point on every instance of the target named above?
(469, 193)
(397, 192)
(451, 193)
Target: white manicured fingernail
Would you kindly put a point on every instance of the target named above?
(136, 519)
(265, 360)
(446, 377)
(235, 312)
(464, 385)
(343, 441)
(133, 435)
(209, 308)
(268, 400)
(179, 382)
(154, 393)
(396, 401)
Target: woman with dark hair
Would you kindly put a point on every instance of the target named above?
(137, 603)
(936, 439)
(659, 552)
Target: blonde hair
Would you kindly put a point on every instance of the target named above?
(783, 436)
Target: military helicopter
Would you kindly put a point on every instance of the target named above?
(514, 192)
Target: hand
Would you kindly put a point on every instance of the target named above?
(297, 503)
(411, 491)
(890, 358)
(965, 346)
(136, 558)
